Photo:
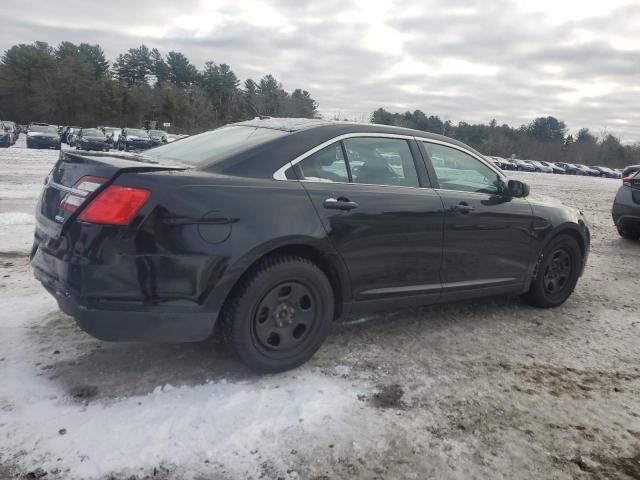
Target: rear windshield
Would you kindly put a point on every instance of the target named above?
(209, 147)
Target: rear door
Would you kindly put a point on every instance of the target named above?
(386, 226)
(487, 235)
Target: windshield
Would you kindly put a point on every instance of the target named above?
(209, 147)
(137, 132)
(43, 128)
(92, 132)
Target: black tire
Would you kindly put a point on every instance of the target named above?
(280, 315)
(557, 273)
(629, 234)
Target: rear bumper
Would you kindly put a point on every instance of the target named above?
(122, 320)
(625, 211)
(145, 323)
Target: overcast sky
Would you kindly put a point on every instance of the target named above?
(512, 60)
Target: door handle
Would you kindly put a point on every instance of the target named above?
(340, 203)
(462, 207)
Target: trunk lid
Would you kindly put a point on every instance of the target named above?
(63, 182)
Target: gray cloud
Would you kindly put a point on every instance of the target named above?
(454, 59)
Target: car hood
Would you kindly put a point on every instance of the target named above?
(95, 139)
(544, 205)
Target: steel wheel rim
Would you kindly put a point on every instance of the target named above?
(557, 272)
(285, 318)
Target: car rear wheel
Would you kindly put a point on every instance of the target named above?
(280, 315)
(557, 273)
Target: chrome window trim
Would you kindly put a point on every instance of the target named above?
(280, 173)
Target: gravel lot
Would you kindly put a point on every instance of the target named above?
(482, 389)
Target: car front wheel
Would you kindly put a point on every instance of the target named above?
(557, 273)
(280, 315)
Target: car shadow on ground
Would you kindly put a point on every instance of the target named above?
(89, 369)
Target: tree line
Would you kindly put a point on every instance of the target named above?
(545, 138)
(76, 85)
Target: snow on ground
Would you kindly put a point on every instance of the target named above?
(235, 425)
(489, 388)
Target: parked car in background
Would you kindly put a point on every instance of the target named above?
(539, 167)
(172, 137)
(165, 245)
(5, 135)
(158, 136)
(135, 139)
(606, 172)
(43, 136)
(11, 129)
(591, 172)
(92, 139)
(66, 132)
(570, 168)
(113, 135)
(502, 163)
(626, 207)
(522, 165)
(72, 136)
(554, 168)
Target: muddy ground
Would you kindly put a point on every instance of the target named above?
(490, 388)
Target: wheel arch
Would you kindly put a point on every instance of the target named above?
(577, 231)
(316, 252)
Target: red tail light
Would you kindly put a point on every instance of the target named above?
(116, 205)
(85, 186)
(627, 180)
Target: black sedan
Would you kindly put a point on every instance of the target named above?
(554, 168)
(43, 136)
(570, 168)
(275, 228)
(626, 208)
(135, 139)
(92, 139)
(606, 172)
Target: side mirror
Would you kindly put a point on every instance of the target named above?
(517, 189)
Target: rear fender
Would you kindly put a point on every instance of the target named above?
(223, 284)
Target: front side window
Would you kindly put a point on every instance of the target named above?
(326, 165)
(381, 161)
(457, 170)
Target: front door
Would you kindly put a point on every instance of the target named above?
(487, 235)
(386, 227)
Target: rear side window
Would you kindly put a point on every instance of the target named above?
(209, 147)
(381, 161)
(326, 165)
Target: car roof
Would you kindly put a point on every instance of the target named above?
(304, 124)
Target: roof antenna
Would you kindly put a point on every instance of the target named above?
(257, 112)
